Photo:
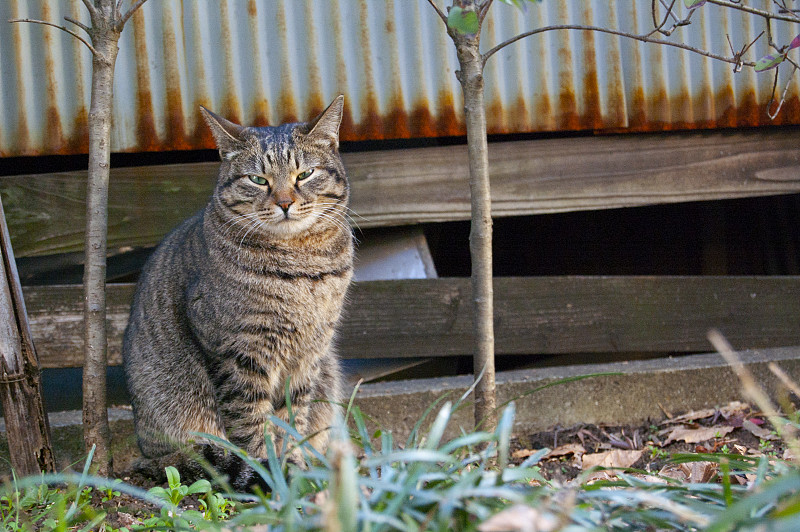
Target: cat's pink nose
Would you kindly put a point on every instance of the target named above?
(285, 204)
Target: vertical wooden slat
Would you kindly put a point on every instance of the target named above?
(27, 425)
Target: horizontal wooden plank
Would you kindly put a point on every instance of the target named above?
(396, 187)
(534, 315)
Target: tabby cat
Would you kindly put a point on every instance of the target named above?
(245, 295)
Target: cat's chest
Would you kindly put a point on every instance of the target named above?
(264, 313)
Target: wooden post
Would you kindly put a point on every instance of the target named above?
(27, 425)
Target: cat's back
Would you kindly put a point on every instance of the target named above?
(159, 300)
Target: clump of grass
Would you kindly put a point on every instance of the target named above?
(368, 481)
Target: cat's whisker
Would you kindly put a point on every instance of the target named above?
(338, 222)
(258, 224)
(230, 224)
(347, 214)
(346, 208)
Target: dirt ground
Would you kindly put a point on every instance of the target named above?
(735, 428)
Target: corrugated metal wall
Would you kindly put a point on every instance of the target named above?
(270, 61)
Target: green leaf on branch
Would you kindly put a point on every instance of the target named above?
(693, 4)
(768, 62)
(463, 21)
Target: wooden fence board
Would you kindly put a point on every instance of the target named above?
(395, 187)
(534, 315)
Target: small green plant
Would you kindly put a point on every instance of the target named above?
(764, 446)
(657, 452)
(109, 492)
(176, 491)
(216, 507)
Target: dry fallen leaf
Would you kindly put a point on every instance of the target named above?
(734, 408)
(690, 416)
(617, 458)
(697, 435)
(691, 472)
(562, 450)
(789, 455)
(600, 475)
(523, 453)
(520, 518)
(758, 432)
(570, 448)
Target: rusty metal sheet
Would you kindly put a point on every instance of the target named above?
(271, 61)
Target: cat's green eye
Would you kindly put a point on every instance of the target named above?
(304, 175)
(257, 179)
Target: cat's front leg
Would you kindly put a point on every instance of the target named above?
(245, 394)
(314, 401)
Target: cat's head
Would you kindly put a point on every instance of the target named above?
(282, 181)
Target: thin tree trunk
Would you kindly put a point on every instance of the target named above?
(27, 426)
(480, 239)
(96, 430)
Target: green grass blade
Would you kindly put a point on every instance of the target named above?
(504, 427)
(74, 507)
(438, 427)
(412, 437)
(770, 492)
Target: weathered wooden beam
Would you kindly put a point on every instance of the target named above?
(27, 424)
(534, 315)
(397, 187)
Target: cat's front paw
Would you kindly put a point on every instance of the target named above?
(247, 478)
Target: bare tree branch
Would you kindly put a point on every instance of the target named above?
(79, 24)
(90, 8)
(642, 38)
(62, 28)
(438, 12)
(774, 114)
(659, 26)
(121, 22)
(754, 11)
(483, 10)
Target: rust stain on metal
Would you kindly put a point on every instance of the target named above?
(287, 101)
(544, 108)
(231, 105)
(496, 110)
(176, 133)
(78, 142)
(260, 103)
(54, 133)
(23, 139)
(520, 115)
(315, 103)
(593, 110)
(448, 123)
(145, 123)
(422, 123)
(395, 72)
(396, 122)
(370, 125)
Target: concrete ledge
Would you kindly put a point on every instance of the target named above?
(637, 392)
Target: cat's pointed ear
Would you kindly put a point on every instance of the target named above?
(226, 134)
(326, 126)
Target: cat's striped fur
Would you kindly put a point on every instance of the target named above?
(245, 295)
